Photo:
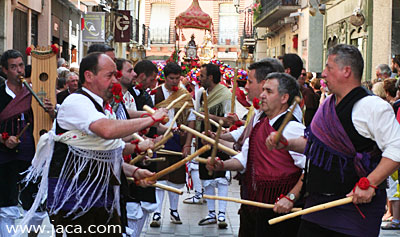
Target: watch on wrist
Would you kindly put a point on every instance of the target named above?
(291, 196)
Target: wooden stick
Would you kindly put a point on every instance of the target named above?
(234, 86)
(246, 202)
(168, 152)
(158, 159)
(215, 146)
(175, 118)
(168, 188)
(137, 136)
(316, 208)
(152, 111)
(202, 116)
(201, 160)
(161, 142)
(207, 126)
(176, 101)
(162, 186)
(32, 92)
(288, 117)
(179, 163)
(23, 130)
(223, 148)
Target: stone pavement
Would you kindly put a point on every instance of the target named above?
(191, 214)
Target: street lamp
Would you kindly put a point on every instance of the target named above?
(236, 3)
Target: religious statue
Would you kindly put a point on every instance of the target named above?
(207, 49)
(191, 49)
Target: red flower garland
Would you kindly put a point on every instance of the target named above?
(153, 92)
(119, 74)
(54, 48)
(117, 92)
(256, 103)
(139, 86)
(127, 158)
(175, 88)
(5, 136)
(28, 51)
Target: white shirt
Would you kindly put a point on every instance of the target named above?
(292, 130)
(226, 105)
(11, 93)
(238, 132)
(171, 112)
(374, 118)
(129, 101)
(77, 112)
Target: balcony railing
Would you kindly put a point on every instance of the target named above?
(273, 10)
(269, 5)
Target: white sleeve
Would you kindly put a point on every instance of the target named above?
(374, 118)
(77, 112)
(295, 130)
(191, 116)
(227, 107)
(237, 133)
(242, 156)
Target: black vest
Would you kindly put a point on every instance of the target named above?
(319, 180)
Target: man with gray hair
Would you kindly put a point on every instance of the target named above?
(383, 71)
(273, 177)
(352, 146)
(72, 85)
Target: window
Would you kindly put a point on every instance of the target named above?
(228, 25)
(159, 24)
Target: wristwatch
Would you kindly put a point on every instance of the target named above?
(291, 196)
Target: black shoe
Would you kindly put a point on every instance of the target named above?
(174, 216)
(221, 220)
(156, 220)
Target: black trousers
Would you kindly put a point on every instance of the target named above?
(309, 229)
(13, 192)
(94, 223)
(254, 223)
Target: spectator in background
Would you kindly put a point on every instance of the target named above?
(383, 71)
(396, 104)
(395, 66)
(378, 90)
(316, 86)
(367, 85)
(72, 86)
(309, 77)
(389, 85)
(62, 65)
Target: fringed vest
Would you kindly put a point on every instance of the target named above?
(268, 173)
(337, 154)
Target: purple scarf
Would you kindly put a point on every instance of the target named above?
(328, 139)
(20, 104)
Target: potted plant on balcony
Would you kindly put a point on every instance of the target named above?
(256, 9)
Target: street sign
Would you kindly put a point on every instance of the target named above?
(94, 27)
(123, 25)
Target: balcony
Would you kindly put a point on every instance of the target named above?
(275, 10)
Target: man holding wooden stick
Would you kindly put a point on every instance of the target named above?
(218, 106)
(352, 146)
(164, 96)
(17, 145)
(270, 177)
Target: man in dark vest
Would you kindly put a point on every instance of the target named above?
(16, 153)
(352, 146)
(270, 177)
(164, 95)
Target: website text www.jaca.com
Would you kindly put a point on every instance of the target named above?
(68, 229)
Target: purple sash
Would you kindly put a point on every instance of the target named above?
(20, 104)
(328, 139)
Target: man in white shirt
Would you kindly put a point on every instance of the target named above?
(352, 146)
(270, 177)
(84, 169)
